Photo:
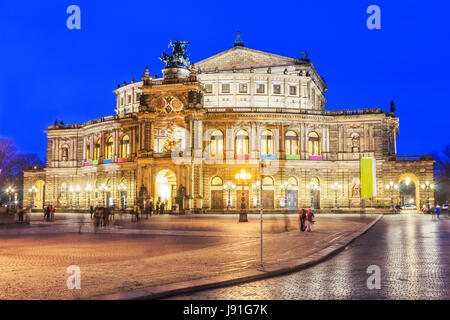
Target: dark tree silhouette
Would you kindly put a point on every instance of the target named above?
(442, 175)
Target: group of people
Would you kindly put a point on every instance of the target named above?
(101, 215)
(307, 220)
(49, 213)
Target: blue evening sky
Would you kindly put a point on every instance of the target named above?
(48, 72)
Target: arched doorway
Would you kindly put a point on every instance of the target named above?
(314, 188)
(39, 196)
(408, 192)
(216, 193)
(292, 194)
(166, 188)
(267, 193)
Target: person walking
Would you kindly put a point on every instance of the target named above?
(52, 213)
(91, 210)
(310, 220)
(157, 208)
(302, 217)
(438, 211)
(161, 209)
(150, 208)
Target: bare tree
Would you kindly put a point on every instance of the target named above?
(12, 165)
(442, 175)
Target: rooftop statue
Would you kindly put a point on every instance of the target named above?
(179, 57)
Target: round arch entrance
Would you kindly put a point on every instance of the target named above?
(409, 190)
(166, 188)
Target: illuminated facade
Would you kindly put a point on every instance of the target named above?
(182, 138)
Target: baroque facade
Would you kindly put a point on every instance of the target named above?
(182, 138)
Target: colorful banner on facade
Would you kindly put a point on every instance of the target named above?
(368, 178)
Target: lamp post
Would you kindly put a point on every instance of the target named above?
(285, 186)
(427, 186)
(77, 191)
(312, 187)
(243, 177)
(122, 188)
(228, 187)
(10, 191)
(391, 187)
(71, 189)
(88, 190)
(103, 189)
(336, 186)
(256, 186)
(32, 190)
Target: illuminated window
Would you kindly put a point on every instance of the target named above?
(88, 151)
(109, 148)
(291, 141)
(260, 88)
(314, 144)
(292, 181)
(216, 181)
(225, 88)
(293, 90)
(277, 89)
(129, 98)
(267, 142)
(208, 88)
(267, 181)
(96, 149)
(216, 144)
(241, 143)
(243, 88)
(125, 147)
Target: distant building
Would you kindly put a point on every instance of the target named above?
(181, 138)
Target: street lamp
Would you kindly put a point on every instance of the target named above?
(427, 186)
(336, 186)
(312, 187)
(88, 190)
(103, 188)
(285, 186)
(10, 191)
(391, 187)
(77, 190)
(122, 189)
(32, 190)
(229, 186)
(256, 186)
(71, 189)
(243, 177)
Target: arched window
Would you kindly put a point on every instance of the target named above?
(241, 145)
(88, 152)
(315, 181)
(267, 181)
(125, 147)
(96, 149)
(216, 144)
(109, 148)
(267, 142)
(292, 181)
(291, 142)
(314, 144)
(217, 181)
(64, 153)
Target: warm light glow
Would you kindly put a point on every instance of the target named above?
(88, 187)
(407, 181)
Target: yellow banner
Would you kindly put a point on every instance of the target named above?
(368, 178)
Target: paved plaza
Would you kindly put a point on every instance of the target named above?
(412, 251)
(161, 250)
